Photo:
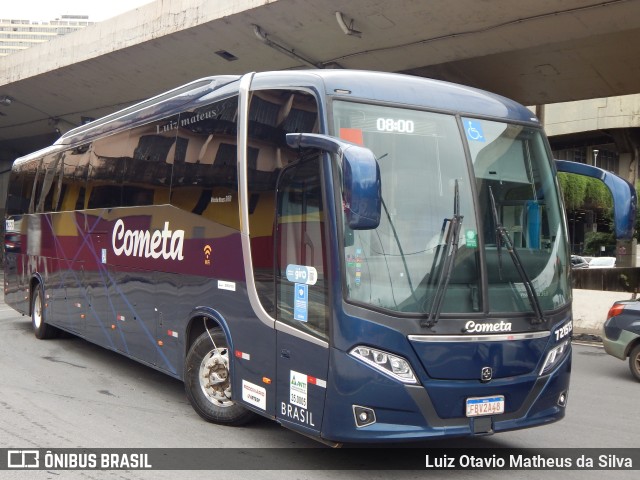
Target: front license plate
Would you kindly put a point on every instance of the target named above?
(479, 406)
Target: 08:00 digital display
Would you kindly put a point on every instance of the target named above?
(393, 125)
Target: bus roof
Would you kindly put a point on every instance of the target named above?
(424, 92)
(353, 84)
(165, 104)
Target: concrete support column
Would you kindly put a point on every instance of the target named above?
(540, 113)
(626, 253)
(628, 166)
(627, 142)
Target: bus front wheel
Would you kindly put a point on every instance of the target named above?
(208, 382)
(41, 329)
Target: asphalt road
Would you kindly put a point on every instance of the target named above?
(67, 393)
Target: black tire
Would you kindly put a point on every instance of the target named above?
(212, 400)
(41, 328)
(634, 362)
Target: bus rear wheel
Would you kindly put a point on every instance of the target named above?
(208, 383)
(41, 329)
(634, 362)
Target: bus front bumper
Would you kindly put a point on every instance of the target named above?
(435, 409)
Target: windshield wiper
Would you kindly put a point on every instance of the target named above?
(448, 259)
(503, 236)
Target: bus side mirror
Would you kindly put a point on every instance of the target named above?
(622, 192)
(360, 176)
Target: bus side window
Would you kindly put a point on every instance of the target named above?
(204, 178)
(19, 189)
(104, 180)
(147, 169)
(72, 180)
(300, 249)
(49, 174)
(36, 187)
(16, 203)
(272, 114)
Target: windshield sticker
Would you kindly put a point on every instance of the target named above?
(301, 302)
(353, 135)
(471, 239)
(358, 266)
(355, 262)
(302, 274)
(474, 131)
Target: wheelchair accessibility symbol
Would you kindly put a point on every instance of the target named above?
(474, 131)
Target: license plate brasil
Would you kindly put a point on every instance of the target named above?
(478, 406)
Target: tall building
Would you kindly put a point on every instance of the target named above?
(16, 35)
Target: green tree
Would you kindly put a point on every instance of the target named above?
(597, 195)
(573, 188)
(594, 240)
(579, 191)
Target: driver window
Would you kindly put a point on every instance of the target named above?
(300, 248)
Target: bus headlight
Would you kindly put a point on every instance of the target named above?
(554, 356)
(387, 363)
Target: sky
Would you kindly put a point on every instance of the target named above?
(45, 10)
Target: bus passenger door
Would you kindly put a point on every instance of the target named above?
(301, 298)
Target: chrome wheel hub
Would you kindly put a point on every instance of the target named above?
(37, 311)
(214, 377)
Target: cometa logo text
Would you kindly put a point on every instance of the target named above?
(142, 243)
(473, 327)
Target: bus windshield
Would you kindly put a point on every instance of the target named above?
(501, 207)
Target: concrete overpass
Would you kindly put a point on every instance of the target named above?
(535, 52)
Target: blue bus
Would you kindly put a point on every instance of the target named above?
(359, 256)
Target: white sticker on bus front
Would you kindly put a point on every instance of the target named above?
(222, 285)
(254, 394)
(298, 389)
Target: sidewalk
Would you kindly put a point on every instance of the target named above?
(590, 308)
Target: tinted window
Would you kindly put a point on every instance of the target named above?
(300, 247)
(205, 168)
(19, 190)
(75, 165)
(150, 155)
(272, 114)
(47, 180)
